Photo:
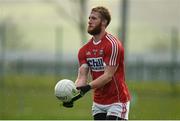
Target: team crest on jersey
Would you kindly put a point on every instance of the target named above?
(101, 52)
(96, 64)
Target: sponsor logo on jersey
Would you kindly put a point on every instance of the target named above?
(96, 64)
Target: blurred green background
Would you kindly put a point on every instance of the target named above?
(32, 97)
(39, 41)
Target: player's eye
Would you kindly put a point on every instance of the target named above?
(92, 18)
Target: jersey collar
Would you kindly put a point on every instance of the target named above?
(96, 43)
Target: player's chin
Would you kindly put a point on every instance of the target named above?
(90, 28)
(90, 31)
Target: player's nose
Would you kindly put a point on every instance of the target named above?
(89, 22)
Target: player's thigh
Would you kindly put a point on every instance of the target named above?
(98, 109)
(120, 110)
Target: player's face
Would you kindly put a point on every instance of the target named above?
(94, 23)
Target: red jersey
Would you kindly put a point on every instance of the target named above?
(107, 51)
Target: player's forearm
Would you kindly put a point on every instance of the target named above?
(104, 78)
(82, 77)
(101, 81)
(81, 81)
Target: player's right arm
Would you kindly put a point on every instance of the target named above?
(80, 81)
(83, 68)
(82, 75)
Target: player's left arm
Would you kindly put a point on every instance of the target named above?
(100, 81)
(104, 78)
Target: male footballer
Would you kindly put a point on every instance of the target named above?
(103, 57)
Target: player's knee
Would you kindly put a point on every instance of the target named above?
(100, 116)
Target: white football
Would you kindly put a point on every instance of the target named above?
(65, 90)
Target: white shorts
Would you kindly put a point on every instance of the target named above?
(116, 109)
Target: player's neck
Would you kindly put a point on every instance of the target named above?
(99, 36)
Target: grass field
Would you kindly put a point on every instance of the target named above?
(32, 97)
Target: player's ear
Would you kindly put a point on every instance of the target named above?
(104, 22)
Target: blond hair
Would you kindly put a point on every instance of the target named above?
(104, 12)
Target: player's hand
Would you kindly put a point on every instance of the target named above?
(71, 103)
(84, 89)
(68, 104)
